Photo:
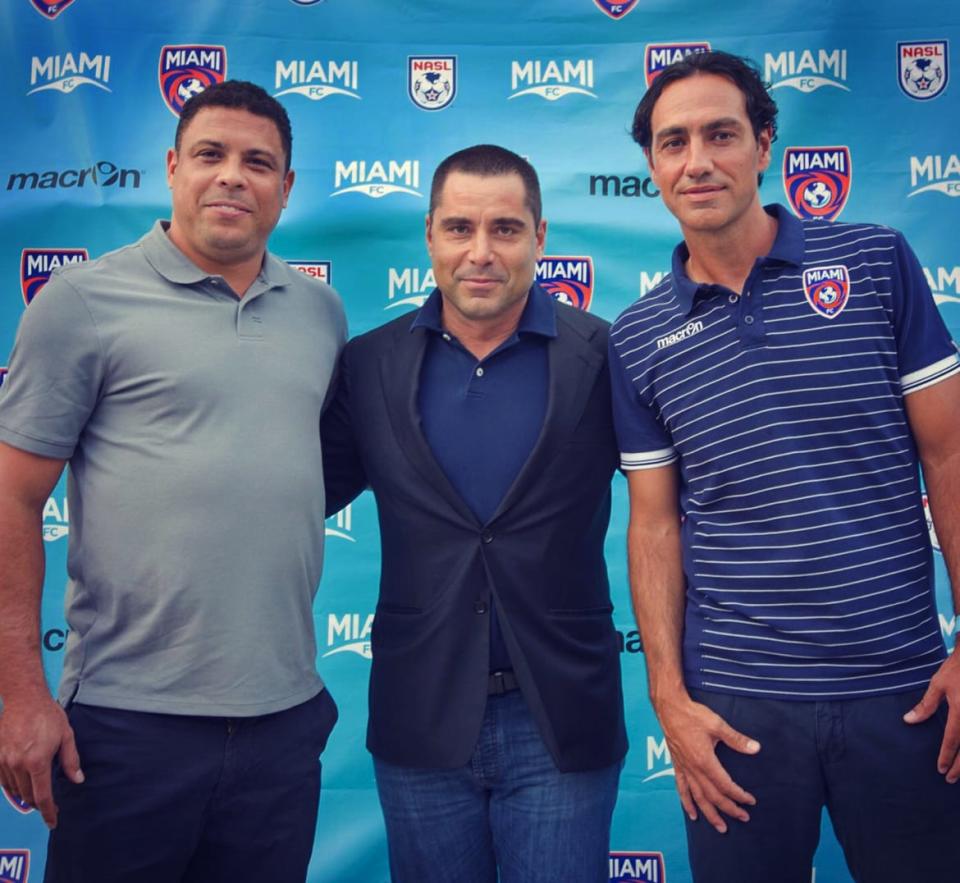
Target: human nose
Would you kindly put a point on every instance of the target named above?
(480, 248)
(230, 172)
(699, 160)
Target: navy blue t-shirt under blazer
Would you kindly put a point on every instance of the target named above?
(482, 418)
(806, 554)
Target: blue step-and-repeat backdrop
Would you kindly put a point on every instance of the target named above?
(378, 92)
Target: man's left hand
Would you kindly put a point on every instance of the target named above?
(944, 685)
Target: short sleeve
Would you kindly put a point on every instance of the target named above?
(55, 374)
(925, 352)
(643, 442)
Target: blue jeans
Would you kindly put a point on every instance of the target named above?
(894, 815)
(172, 798)
(509, 807)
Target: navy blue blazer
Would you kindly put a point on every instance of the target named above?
(539, 558)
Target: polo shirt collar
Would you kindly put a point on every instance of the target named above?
(539, 314)
(787, 248)
(176, 267)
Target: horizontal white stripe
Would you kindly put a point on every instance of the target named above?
(917, 380)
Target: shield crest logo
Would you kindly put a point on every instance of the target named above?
(19, 805)
(923, 69)
(616, 10)
(50, 9)
(14, 865)
(657, 56)
(817, 180)
(827, 289)
(567, 278)
(186, 70)
(36, 265)
(432, 80)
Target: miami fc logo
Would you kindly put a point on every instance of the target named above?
(50, 9)
(616, 10)
(922, 68)
(657, 56)
(817, 180)
(827, 289)
(432, 80)
(14, 865)
(186, 71)
(36, 265)
(17, 803)
(568, 279)
(637, 867)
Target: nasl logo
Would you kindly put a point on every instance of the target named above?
(637, 867)
(414, 283)
(342, 526)
(56, 520)
(922, 69)
(377, 179)
(657, 56)
(432, 80)
(36, 265)
(322, 270)
(14, 865)
(186, 70)
(349, 633)
(934, 541)
(940, 174)
(21, 806)
(50, 9)
(940, 281)
(567, 278)
(64, 73)
(552, 80)
(616, 10)
(807, 70)
(827, 289)
(316, 80)
(817, 180)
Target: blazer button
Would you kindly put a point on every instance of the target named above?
(479, 606)
(486, 536)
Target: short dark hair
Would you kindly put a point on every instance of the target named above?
(240, 95)
(742, 72)
(488, 160)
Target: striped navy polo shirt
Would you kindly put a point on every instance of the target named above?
(806, 554)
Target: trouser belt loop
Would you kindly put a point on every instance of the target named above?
(501, 682)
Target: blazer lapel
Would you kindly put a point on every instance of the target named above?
(573, 367)
(400, 376)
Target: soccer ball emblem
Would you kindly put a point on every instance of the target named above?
(817, 195)
(923, 76)
(188, 88)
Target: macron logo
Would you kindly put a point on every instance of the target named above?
(688, 330)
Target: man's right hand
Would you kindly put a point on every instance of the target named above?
(31, 733)
(692, 732)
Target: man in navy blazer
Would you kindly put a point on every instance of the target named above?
(483, 425)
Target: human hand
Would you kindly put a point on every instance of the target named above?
(31, 733)
(945, 684)
(693, 732)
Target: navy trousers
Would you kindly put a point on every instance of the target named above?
(895, 816)
(172, 798)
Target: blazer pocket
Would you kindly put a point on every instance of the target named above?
(401, 609)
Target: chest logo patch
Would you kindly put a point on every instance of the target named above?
(827, 289)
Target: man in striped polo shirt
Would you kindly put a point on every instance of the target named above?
(778, 391)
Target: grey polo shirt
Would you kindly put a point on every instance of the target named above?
(191, 422)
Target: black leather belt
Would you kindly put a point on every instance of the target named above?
(501, 682)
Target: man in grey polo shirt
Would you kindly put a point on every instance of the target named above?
(182, 378)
